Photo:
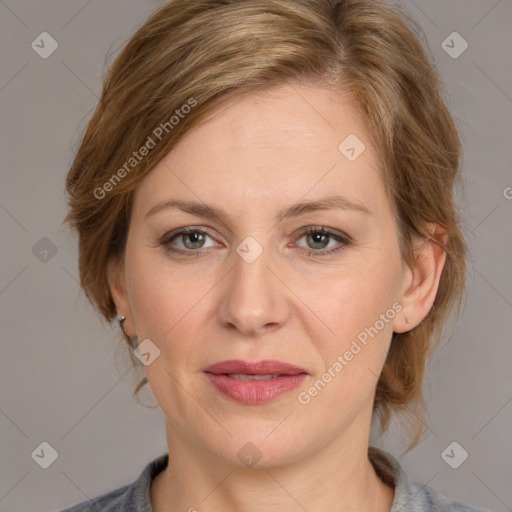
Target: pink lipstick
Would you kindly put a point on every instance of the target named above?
(256, 382)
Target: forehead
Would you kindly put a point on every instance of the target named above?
(280, 120)
(274, 147)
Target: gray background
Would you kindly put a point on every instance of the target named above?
(64, 375)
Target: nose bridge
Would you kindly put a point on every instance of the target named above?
(253, 300)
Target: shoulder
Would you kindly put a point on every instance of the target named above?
(112, 501)
(428, 499)
(134, 497)
(411, 496)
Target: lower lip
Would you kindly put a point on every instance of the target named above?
(255, 391)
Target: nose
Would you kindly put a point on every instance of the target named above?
(255, 297)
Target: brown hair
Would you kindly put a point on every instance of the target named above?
(201, 54)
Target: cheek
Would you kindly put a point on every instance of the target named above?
(358, 298)
(359, 308)
(158, 297)
(168, 307)
(361, 314)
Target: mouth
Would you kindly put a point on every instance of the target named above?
(254, 382)
(243, 376)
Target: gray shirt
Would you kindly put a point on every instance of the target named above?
(410, 496)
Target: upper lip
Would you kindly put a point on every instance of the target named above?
(265, 367)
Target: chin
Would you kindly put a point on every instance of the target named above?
(254, 450)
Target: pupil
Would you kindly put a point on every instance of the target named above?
(317, 237)
(194, 237)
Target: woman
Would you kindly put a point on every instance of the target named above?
(264, 200)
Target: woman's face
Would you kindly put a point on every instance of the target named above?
(252, 285)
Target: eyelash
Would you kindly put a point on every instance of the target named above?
(344, 241)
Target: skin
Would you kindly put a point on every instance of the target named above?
(254, 157)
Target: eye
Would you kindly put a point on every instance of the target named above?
(191, 238)
(319, 237)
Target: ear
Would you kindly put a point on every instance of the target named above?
(117, 284)
(421, 281)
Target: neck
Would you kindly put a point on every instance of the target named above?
(338, 477)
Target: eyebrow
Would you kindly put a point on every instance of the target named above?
(207, 211)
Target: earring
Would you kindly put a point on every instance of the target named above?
(121, 320)
(133, 339)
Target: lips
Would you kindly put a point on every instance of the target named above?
(266, 367)
(254, 382)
